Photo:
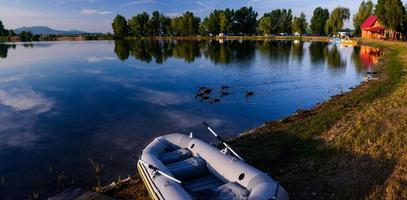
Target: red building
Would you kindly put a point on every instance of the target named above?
(372, 28)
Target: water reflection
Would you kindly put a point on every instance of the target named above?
(63, 102)
(4, 49)
(370, 56)
(276, 51)
(334, 57)
(226, 52)
(366, 57)
(316, 52)
(298, 49)
(122, 49)
(159, 51)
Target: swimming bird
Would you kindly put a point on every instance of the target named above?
(207, 91)
(224, 93)
(248, 93)
(201, 88)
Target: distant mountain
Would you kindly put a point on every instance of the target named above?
(44, 30)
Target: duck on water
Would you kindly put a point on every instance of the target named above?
(178, 166)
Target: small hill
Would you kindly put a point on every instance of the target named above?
(44, 30)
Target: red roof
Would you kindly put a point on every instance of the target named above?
(370, 21)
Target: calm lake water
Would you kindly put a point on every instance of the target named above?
(63, 103)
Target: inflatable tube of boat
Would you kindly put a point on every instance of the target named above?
(204, 171)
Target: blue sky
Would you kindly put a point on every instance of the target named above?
(96, 15)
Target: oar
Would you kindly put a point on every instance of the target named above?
(159, 171)
(223, 141)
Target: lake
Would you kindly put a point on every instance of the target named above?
(64, 105)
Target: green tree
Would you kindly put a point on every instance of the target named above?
(2, 30)
(365, 10)
(336, 20)
(280, 20)
(155, 24)
(318, 21)
(187, 24)
(245, 20)
(265, 25)
(392, 14)
(120, 28)
(299, 24)
(11, 33)
(139, 25)
(26, 36)
(285, 21)
(190, 23)
(226, 21)
(165, 25)
(211, 23)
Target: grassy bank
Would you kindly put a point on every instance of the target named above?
(353, 146)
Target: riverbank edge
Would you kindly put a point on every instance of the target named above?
(305, 130)
(197, 38)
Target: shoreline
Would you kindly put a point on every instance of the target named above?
(340, 149)
(198, 38)
(323, 153)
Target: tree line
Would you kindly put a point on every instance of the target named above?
(5, 32)
(245, 21)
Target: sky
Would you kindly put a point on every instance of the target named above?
(97, 15)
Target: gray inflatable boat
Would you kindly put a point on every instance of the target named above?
(180, 167)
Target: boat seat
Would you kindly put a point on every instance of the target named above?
(188, 169)
(175, 156)
(232, 191)
(203, 184)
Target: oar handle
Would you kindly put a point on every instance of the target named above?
(223, 141)
(156, 169)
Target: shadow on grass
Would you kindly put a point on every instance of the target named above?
(311, 169)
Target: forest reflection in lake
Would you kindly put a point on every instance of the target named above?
(62, 103)
(226, 52)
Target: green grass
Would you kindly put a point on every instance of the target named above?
(345, 148)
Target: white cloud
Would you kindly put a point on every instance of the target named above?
(59, 2)
(15, 17)
(19, 108)
(88, 11)
(25, 99)
(173, 14)
(93, 71)
(139, 2)
(162, 98)
(189, 120)
(94, 59)
(203, 5)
